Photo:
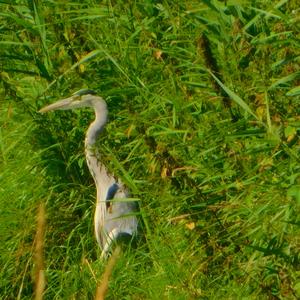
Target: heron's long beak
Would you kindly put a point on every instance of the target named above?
(61, 104)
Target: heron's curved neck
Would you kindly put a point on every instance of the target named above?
(96, 126)
(96, 168)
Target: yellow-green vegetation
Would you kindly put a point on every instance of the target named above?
(204, 129)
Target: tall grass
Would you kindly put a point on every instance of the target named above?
(204, 129)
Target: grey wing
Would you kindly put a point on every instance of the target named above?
(120, 216)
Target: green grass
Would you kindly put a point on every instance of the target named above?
(204, 131)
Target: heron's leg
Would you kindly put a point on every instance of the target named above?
(98, 222)
(110, 238)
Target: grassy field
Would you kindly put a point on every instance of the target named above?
(204, 129)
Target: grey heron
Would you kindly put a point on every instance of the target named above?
(115, 217)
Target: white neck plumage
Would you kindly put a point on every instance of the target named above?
(97, 125)
(96, 168)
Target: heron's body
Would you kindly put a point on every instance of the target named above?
(114, 215)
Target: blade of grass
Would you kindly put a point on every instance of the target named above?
(91, 55)
(238, 100)
(294, 92)
(285, 80)
(127, 178)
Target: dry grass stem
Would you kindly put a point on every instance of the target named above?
(103, 284)
(39, 253)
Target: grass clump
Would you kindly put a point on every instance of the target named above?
(204, 129)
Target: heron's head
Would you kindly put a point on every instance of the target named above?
(82, 98)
